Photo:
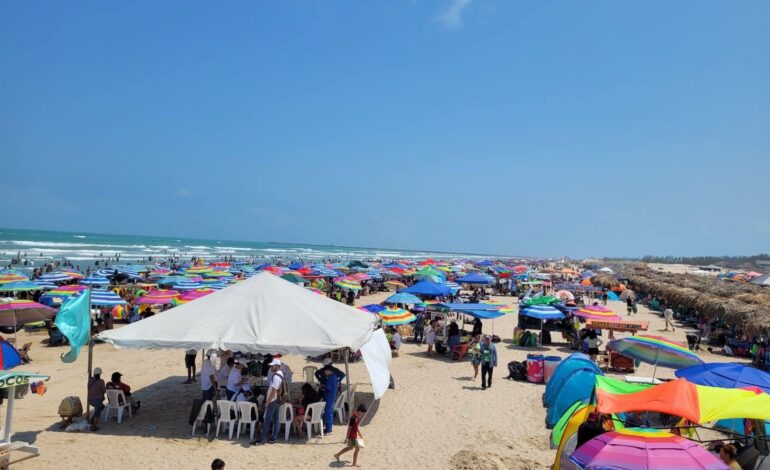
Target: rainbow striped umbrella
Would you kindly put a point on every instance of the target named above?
(9, 276)
(15, 312)
(656, 350)
(20, 286)
(348, 284)
(395, 285)
(72, 273)
(198, 269)
(597, 312)
(158, 297)
(639, 448)
(396, 316)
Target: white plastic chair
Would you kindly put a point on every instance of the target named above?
(286, 417)
(228, 414)
(341, 406)
(309, 372)
(248, 414)
(116, 400)
(207, 405)
(314, 417)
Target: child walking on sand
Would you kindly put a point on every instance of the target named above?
(354, 438)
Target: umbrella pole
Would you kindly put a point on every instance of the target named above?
(655, 367)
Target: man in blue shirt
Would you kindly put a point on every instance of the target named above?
(331, 385)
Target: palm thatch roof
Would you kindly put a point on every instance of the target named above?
(605, 280)
(744, 305)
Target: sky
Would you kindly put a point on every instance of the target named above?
(595, 128)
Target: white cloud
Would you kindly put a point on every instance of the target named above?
(183, 192)
(452, 16)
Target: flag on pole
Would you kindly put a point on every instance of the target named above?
(74, 322)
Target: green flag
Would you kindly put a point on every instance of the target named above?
(74, 322)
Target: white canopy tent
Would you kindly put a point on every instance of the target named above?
(262, 314)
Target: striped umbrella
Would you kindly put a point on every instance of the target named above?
(395, 285)
(15, 312)
(395, 316)
(403, 298)
(20, 286)
(597, 312)
(656, 350)
(11, 276)
(642, 448)
(103, 298)
(45, 285)
(72, 273)
(95, 281)
(158, 297)
(56, 276)
(57, 296)
(348, 284)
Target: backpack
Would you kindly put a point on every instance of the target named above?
(283, 391)
(517, 371)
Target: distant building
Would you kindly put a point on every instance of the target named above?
(762, 263)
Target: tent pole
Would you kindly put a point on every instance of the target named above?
(8, 430)
(347, 379)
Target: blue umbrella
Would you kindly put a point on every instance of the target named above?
(403, 298)
(426, 287)
(726, 375)
(20, 286)
(374, 308)
(55, 277)
(542, 312)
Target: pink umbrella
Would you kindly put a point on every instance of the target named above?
(18, 312)
(158, 297)
(597, 312)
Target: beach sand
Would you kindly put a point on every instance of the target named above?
(436, 418)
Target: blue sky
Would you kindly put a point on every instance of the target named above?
(512, 127)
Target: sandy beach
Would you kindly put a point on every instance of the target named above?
(436, 418)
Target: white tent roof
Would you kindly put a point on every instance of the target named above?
(763, 280)
(263, 314)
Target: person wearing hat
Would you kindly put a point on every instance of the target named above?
(116, 383)
(330, 387)
(272, 403)
(208, 377)
(321, 377)
(96, 391)
(488, 353)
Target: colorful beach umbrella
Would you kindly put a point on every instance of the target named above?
(20, 286)
(72, 273)
(642, 449)
(542, 312)
(373, 308)
(12, 276)
(294, 278)
(656, 350)
(396, 316)
(697, 403)
(56, 276)
(95, 281)
(394, 285)
(9, 356)
(158, 297)
(348, 284)
(597, 312)
(403, 298)
(19, 312)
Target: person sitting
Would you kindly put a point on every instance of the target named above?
(234, 380)
(117, 384)
(96, 390)
(309, 396)
(396, 342)
(244, 394)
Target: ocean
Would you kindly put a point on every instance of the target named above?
(83, 248)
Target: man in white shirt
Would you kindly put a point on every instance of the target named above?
(224, 371)
(208, 377)
(668, 315)
(234, 380)
(272, 402)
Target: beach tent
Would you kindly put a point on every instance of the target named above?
(726, 375)
(474, 278)
(571, 363)
(575, 383)
(262, 314)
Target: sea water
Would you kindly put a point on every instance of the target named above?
(82, 248)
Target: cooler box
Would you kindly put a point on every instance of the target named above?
(535, 366)
(550, 363)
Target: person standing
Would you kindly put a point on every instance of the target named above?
(275, 392)
(488, 361)
(234, 380)
(668, 315)
(208, 377)
(430, 337)
(96, 391)
(593, 344)
(629, 305)
(419, 328)
(354, 439)
(189, 362)
(474, 351)
(331, 385)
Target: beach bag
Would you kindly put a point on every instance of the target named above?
(361, 442)
(546, 337)
(532, 340)
(517, 371)
(70, 407)
(524, 339)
